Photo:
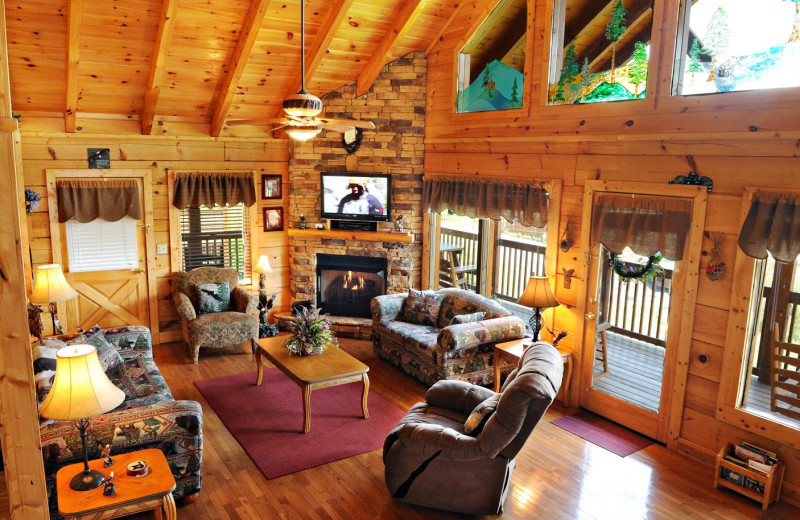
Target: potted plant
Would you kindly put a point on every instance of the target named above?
(310, 332)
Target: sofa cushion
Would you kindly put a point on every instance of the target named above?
(422, 307)
(106, 353)
(480, 415)
(138, 377)
(458, 301)
(213, 297)
(467, 318)
(418, 337)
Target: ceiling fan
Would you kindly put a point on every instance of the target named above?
(300, 119)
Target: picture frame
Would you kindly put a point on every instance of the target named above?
(271, 187)
(273, 219)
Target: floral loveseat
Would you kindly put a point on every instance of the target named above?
(425, 340)
(149, 417)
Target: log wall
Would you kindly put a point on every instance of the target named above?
(738, 139)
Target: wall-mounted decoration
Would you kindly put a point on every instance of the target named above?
(693, 179)
(351, 140)
(568, 274)
(99, 158)
(566, 239)
(715, 269)
(273, 219)
(271, 187)
(634, 272)
(31, 201)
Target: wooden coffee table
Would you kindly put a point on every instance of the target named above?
(331, 368)
(152, 491)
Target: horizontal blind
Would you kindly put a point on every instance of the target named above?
(216, 237)
(100, 245)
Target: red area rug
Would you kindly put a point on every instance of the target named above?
(267, 420)
(606, 434)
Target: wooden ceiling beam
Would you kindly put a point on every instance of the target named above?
(440, 34)
(244, 46)
(154, 76)
(402, 23)
(320, 46)
(73, 50)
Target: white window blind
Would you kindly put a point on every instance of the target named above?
(100, 245)
(216, 237)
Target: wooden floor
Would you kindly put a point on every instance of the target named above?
(558, 475)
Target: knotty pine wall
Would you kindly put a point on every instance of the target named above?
(738, 139)
(46, 150)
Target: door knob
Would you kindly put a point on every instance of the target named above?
(589, 316)
(141, 271)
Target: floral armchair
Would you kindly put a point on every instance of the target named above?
(225, 323)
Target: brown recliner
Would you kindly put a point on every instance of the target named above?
(217, 329)
(431, 462)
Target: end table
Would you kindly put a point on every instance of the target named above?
(152, 491)
(511, 351)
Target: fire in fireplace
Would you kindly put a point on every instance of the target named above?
(346, 284)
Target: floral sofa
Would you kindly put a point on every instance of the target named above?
(149, 417)
(427, 341)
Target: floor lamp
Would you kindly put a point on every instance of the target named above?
(51, 287)
(81, 390)
(538, 295)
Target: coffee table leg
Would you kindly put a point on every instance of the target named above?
(364, 397)
(259, 373)
(169, 508)
(306, 408)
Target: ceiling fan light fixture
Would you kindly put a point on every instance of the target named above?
(302, 104)
(303, 133)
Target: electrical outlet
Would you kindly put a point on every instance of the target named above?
(161, 249)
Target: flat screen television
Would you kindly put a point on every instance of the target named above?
(356, 196)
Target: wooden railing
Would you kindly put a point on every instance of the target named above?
(469, 256)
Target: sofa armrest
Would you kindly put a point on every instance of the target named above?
(243, 300)
(456, 395)
(184, 306)
(131, 340)
(386, 308)
(465, 335)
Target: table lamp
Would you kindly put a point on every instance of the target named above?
(538, 295)
(80, 390)
(51, 287)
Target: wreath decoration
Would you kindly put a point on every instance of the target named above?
(629, 271)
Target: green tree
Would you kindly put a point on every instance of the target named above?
(586, 79)
(796, 25)
(569, 72)
(717, 38)
(488, 82)
(637, 70)
(614, 31)
(514, 96)
(694, 58)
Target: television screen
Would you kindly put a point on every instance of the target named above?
(356, 196)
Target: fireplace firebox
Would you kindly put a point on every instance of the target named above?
(346, 284)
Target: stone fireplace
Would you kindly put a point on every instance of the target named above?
(346, 284)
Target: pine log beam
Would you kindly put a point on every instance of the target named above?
(166, 27)
(73, 51)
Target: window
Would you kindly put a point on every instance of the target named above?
(216, 237)
(599, 50)
(100, 245)
(491, 65)
(732, 45)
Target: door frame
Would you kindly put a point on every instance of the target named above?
(146, 176)
(664, 426)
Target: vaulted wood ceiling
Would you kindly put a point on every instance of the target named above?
(200, 61)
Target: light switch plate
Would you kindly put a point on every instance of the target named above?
(161, 249)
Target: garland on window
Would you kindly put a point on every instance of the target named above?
(634, 272)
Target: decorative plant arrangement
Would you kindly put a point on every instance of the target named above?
(715, 269)
(633, 272)
(31, 201)
(310, 333)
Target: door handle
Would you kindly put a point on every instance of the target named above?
(589, 316)
(142, 271)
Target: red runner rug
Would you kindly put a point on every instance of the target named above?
(606, 434)
(267, 420)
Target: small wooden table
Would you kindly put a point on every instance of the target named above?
(511, 351)
(331, 368)
(134, 494)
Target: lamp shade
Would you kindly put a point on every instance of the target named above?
(263, 266)
(51, 286)
(81, 389)
(303, 132)
(538, 293)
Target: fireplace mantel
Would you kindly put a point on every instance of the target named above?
(371, 236)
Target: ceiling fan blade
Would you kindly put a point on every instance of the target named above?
(237, 122)
(337, 127)
(355, 123)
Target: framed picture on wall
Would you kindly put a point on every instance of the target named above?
(271, 187)
(273, 219)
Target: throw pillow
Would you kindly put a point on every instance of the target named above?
(467, 318)
(480, 416)
(213, 297)
(44, 365)
(422, 307)
(106, 353)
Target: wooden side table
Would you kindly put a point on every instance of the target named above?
(134, 494)
(511, 351)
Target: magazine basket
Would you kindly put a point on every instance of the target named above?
(746, 481)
